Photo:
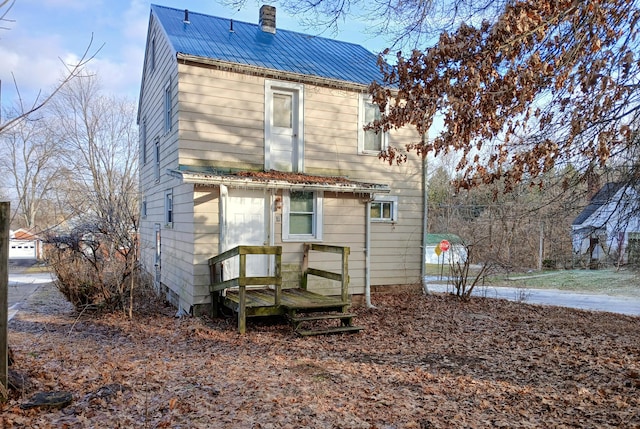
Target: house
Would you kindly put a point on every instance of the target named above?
(456, 253)
(253, 135)
(24, 244)
(608, 228)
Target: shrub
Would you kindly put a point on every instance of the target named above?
(94, 274)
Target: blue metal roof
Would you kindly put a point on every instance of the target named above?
(210, 37)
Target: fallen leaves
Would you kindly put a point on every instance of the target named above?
(422, 362)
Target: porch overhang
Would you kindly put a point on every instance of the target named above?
(279, 180)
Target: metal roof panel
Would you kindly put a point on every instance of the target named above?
(211, 37)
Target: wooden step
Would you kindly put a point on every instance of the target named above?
(327, 331)
(296, 319)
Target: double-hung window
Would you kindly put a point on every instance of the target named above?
(143, 141)
(384, 209)
(302, 217)
(369, 141)
(156, 152)
(168, 108)
(168, 208)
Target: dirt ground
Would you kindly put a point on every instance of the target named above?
(421, 362)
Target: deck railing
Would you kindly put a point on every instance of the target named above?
(342, 277)
(217, 284)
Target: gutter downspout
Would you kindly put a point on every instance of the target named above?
(224, 195)
(425, 215)
(367, 256)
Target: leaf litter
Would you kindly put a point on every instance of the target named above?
(421, 362)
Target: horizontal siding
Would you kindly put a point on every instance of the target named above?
(224, 111)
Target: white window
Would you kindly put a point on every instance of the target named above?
(369, 142)
(168, 207)
(384, 209)
(143, 141)
(143, 208)
(302, 216)
(156, 151)
(168, 113)
(152, 55)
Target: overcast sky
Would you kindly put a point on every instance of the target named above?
(44, 32)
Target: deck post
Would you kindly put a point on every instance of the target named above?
(242, 295)
(305, 266)
(345, 274)
(278, 274)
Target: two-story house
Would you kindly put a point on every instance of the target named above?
(253, 135)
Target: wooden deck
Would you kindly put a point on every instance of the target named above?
(264, 295)
(260, 302)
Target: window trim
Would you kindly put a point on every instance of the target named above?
(156, 155)
(317, 222)
(143, 138)
(384, 143)
(168, 108)
(152, 54)
(143, 207)
(394, 208)
(169, 214)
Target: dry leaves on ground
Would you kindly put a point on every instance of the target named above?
(422, 362)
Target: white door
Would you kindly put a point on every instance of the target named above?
(283, 127)
(245, 224)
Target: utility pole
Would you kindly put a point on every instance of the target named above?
(4, 305)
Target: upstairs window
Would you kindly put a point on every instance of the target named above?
(152, 55)
(143, 141)
(369, 142)
(168, 113)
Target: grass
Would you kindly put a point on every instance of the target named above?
(613, 282)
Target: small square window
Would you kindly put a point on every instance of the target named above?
(384, 209)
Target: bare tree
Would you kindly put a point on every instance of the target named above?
(100, 133)
(33, 157)
(72, 71)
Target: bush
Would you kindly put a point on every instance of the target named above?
(93, 275)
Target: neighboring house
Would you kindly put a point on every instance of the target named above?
(24, 244)
(253, 135)
(609, 226)
(457, 251)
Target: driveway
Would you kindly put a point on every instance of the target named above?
(22, 285)
(583, 301)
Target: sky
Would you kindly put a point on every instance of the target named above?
(41, 35)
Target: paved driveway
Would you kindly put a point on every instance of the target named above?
(584, 301)
(22, 285)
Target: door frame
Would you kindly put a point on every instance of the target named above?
(297, 90)
(226, 194)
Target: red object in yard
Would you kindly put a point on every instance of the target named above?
(444, 245)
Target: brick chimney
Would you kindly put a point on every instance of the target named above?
(268, 19)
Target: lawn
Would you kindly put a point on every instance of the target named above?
(422, 362)
(623, 282)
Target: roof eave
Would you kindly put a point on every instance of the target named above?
(271, 73)
(248, 183)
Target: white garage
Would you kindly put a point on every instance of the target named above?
(24, 245)
(21, 249)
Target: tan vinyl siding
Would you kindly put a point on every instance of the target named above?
(221, 118)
